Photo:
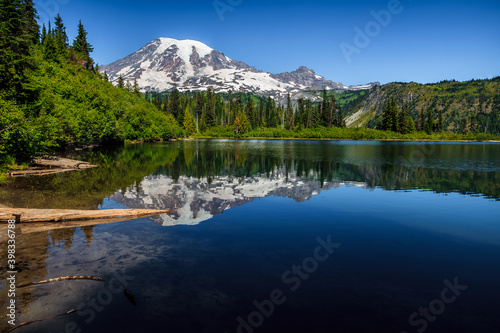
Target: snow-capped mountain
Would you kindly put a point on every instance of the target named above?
(193, 200)
(166, 63)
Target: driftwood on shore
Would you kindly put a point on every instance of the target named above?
(42, 319)
(62, 278)
(46, 166)
(60, 215)
(64, 163)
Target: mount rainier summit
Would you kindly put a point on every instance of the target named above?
(190, 65)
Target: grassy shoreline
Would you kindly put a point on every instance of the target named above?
(328, 139)
(354, 134)
(340, 135)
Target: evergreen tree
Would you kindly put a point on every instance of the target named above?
(80, 45)
(44, 33)
(156, 100)
(340, 122)
(473, 128)
(60, 35)
(250, 112)
(230, 117)
(174, 106)
(165, 104)
(31, 27)
(402, 119)
(128, 87)
(440, 126)
(464, 126)
(199, 106)
(135, 87)
(121, 82)
(241, 124)
(331, 113)
(271, 113)
(260, 119)
(189, 122)
(49, 46)
(325, 110)
(411, 125)
(390, 116)
(289, 113)
(421, 121)
(429, 126)
(309, 114)
(405, 122)
(16, 37)
(210, 119)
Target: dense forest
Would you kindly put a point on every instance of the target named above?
(53, 97)
(241, 113)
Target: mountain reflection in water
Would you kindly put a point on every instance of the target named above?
(408, 216)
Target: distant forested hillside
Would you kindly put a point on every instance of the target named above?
(465, 107)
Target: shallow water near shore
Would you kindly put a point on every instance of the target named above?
(269, 236)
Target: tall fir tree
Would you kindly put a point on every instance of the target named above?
(210, 119)
(174, 105)
(50, 51)
(80, 45)
(421, 121)
(135, 87)
(405, 122)
(390, 116)
(429, 125)
(440, 126)
(309, 113)
(250, 112)
(121, 82)
(339, 117)
(31, 26)
(61, 38)
(289, 113)
(325, 110)
(17, 29)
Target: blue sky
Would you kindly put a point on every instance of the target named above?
(424, 41)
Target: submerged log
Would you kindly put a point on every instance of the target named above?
(59, 215)
(36, 172)
(29, 228)
(62, 278)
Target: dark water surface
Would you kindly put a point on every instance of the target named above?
(270, 236)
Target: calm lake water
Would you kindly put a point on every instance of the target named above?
(269, 236)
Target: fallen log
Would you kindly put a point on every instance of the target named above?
(58, 215)
(64, 163)
(51, 165)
